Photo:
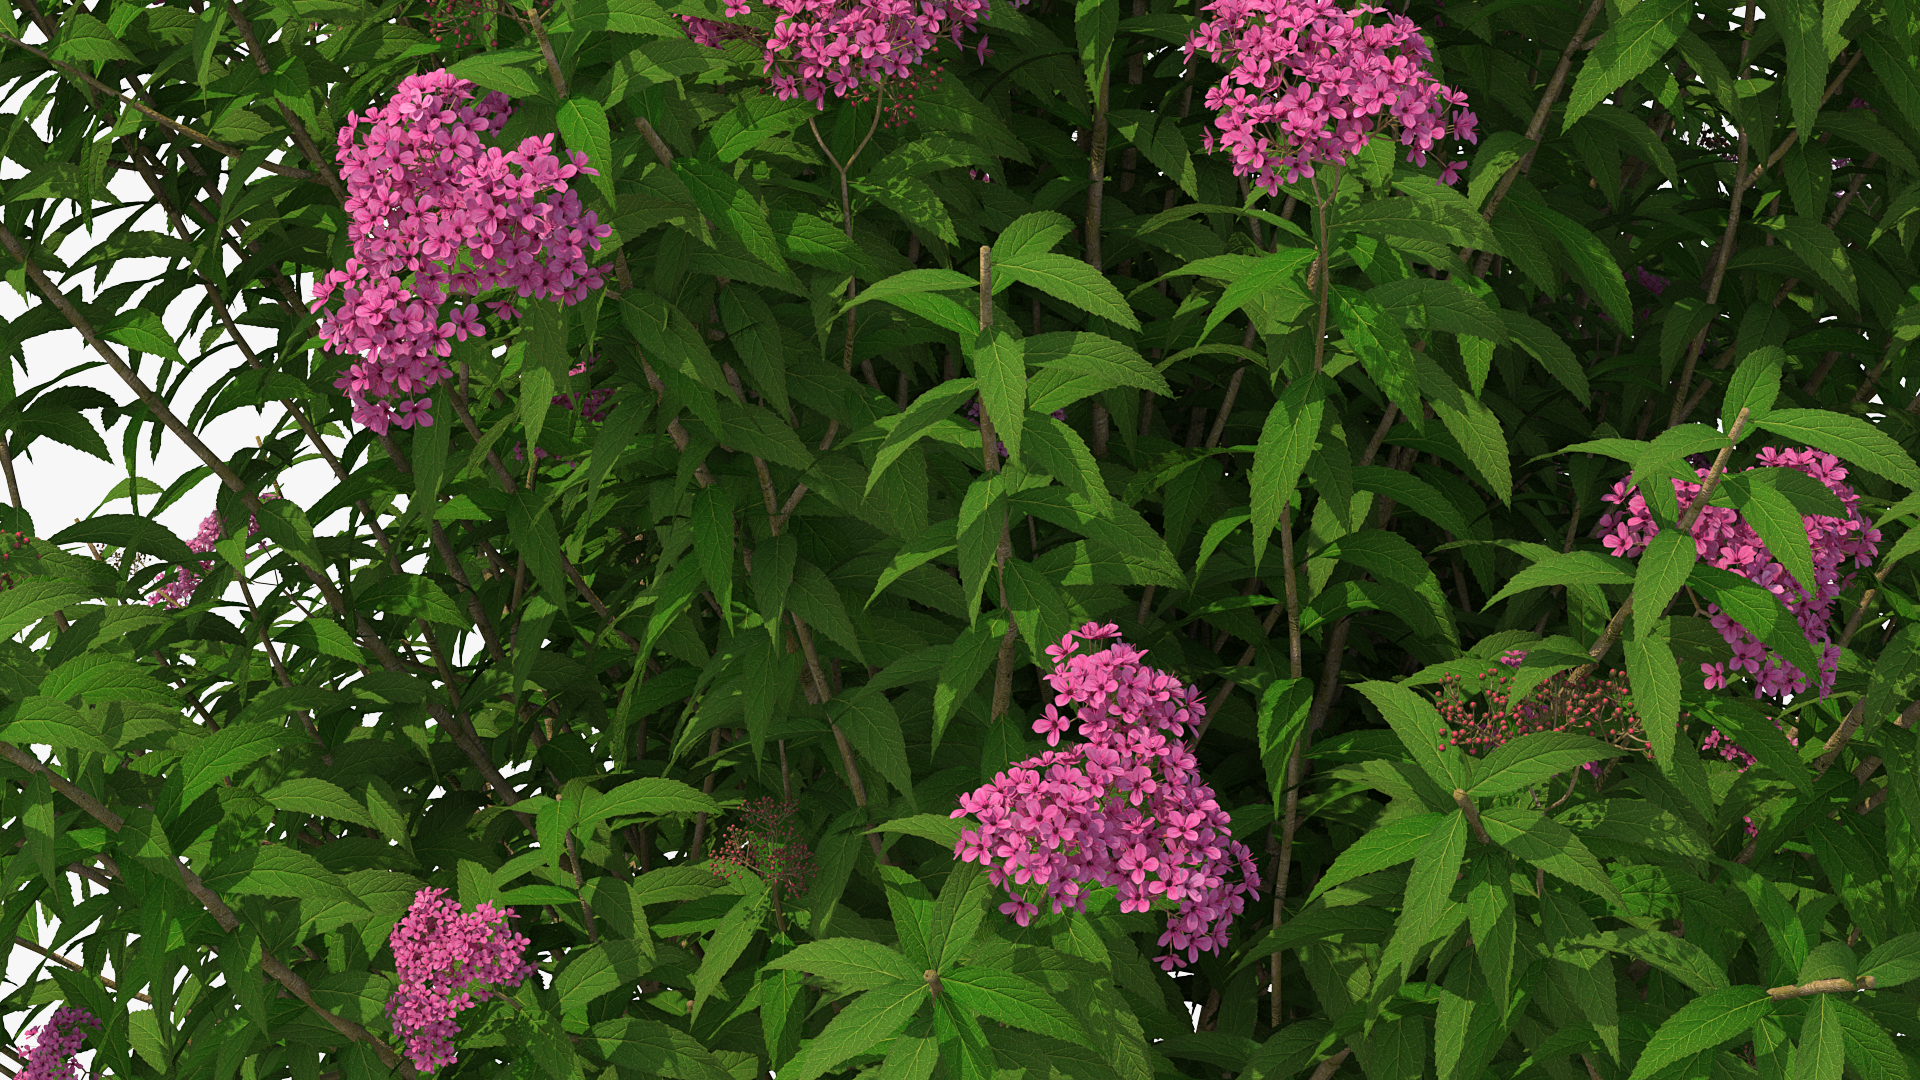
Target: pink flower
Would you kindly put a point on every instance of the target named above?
(51, 1058)
(176, 593)
(425, 195)
(443, 957)
(1126, 808)
(1308, 83)
(1722, 538)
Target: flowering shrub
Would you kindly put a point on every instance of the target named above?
(1308, 83)
(443, 957)
(12, 543)
(1125, 809)
(1724, 539)
(51, 1058)
(427, 198)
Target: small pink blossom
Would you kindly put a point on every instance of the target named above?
(443, 957)
(1126, 808)
(51, 1058)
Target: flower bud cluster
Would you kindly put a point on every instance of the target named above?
(767, 843)
(818, 46)
(51, 1058)
(1723, 538)
(1125, 809)
(1309, 83)
(1594, 703)
(436, 213)
(176, 593)
(11, 543)
(443, 957)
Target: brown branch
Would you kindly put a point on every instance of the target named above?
(205, 140)
(1538, 125)
(1465, 802)
(1823, 986)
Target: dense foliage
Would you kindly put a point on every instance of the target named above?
(1404, 522)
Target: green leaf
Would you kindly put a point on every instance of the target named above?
(852, 963)
(927, 410)
(140, 534)
(733, 208)
(1590, 262)
(860, 1028)
(1013, 1000)
(646, 797)
(1277, 279)
(1631, 45)
(1678, 957)
(736, 931)
(86, 39)
(1869, 1047)
(873, 726)
(1419, 727)
(1284, 706)
(1429, 890)
(1849, 438)
(1075, 365)
(1538, 839)
(1381, 848)
(507, 70)
(1816, 245)
(322, 798)
(1290, 1050)
(651, 1048)
(1755, 385)
(276, 870)
(591, 972)
(1662, 570)
(1823, 1045)
(1777, 521)
(227, 752)
(1654, 675)
(1030, 234)
(583, 124)
(998, 358)
(1895, 962)
(1762, 613)
(1065, 278)
(534, 534)
(713, 544)
(1287, 436)
(1566, 568)
(138, 328)
(958, 913)
(1397, 565)
(1531, 758)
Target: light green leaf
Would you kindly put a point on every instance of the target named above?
(322, 798)
(1287, 436)
(851, 962)
(1065, 278)
(1631, 45)
(872, 1018)
(1418, 724)
(1654, 675)
(1379, 849)
(1849, 438)
(1532, 758)
(1013, 1000)
(999, 362)
(1538, 839)
(927, 410)
(1894, 963)
(1566, 568)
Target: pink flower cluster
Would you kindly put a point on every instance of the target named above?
(51, 1058)
(592, 406)
(176, 593)
(1600, 705)
(443, 956)
(435, 213)
(1724, 539)
(838, 45)
(1309, 83)
(1127, 808)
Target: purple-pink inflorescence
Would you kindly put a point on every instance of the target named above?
(443, 957)
(818, 46)
(427, 198)
(1308, 82)
(1126, 808)
(51, 1058)
(176, 593)
(1724, 539)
